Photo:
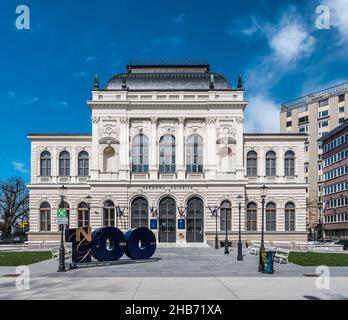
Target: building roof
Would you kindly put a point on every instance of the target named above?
(168, 77)
(58, 134)
(277, 134)
(339, 128)
(315, 96)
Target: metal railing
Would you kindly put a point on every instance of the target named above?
(322, 94)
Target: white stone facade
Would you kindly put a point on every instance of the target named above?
(217, 116)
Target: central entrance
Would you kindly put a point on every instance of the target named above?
(195, 220)
(167, 220)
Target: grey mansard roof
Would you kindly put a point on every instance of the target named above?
(170, 77)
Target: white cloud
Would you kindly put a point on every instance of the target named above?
(19, 166)
(290, 42)
(262, 115)
(179, 19)
(339, 16)
(247, 27)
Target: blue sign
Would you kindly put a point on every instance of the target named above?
(109, 243)
(181, 223)
(153, 223)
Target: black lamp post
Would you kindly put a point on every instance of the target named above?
(61, 267)
(226, 230)
(214, 213)
(262, 247)
(240, 249)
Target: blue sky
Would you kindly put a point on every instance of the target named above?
(47, 72)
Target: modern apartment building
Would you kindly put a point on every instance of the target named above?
(335, 182)
(315, 114)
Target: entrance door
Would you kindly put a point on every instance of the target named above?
(195, 220)
(167, 220)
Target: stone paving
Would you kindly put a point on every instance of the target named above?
(177, 273)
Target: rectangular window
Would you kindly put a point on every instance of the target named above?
(289, 124)
(323, 114)
(323, 124)
(341, 109)
(341, 97)
(303, 109)
(288, 113)
(303, 119)
(341, 120)
(303, 129)
(324, 102)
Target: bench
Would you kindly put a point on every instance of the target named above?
(51, 243)
(282, 255)
(34, 243)
(253, 250)
(55, 253)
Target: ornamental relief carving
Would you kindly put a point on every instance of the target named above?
(194, 127)
(166, 127)
(140, 126)
(226, 130)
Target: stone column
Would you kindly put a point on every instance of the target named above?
(210, 149)
(239, 166)
(153, 167)
(54, 163)
(73, 165)
(124, 149)
(180, 149)
(95, 147)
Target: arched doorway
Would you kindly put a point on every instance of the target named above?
(167, 220)
(195, 220)
(139, 213)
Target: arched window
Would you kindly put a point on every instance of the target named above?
(45, 217)
(109, 159)
(289, 163)
(289, 217)
(139, 213)
(167, 154)
(271, 159)
(83, 164)
(140, 154)
(225, 216)
(66, 206)
(194, 154)
(45, 164)
(108, 214)
(271, 217)
(64, 164)
(252, 164)
(83, 215)
(251, 216)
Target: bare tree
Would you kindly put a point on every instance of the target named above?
(14, 203)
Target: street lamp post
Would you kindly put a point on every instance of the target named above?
(214, 213)
(61, 267)
(226, 229)
(262, 247)
(240, 249)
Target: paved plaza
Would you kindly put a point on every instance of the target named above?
(176, 273)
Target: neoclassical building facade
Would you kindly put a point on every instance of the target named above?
(167, 147)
